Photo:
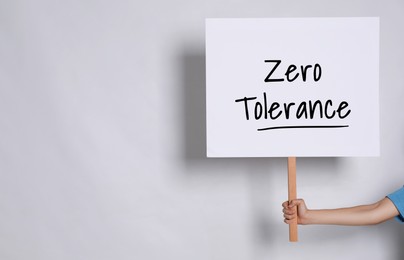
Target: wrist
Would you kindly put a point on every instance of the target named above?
(307, 218)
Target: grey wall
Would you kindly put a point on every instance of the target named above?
(102, 140)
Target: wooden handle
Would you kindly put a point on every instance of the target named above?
(292, 194)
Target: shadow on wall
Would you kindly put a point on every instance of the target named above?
(193, 69)
(395, 233)
(399, 241)
(194, 100)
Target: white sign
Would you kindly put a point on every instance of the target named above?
(283, 87)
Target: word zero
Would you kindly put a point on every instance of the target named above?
(292, 73)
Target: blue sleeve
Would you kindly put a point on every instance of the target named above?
(397, 198)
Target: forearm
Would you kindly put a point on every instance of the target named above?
(360, 215)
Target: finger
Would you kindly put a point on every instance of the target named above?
(289, 211)
(292, 204)
(295, 202)
(285, 204)
(289, 216)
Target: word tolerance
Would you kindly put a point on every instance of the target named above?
(307, 110)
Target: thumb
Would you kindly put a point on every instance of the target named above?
(296, 202)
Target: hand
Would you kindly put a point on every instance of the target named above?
(289, 211)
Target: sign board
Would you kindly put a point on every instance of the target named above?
(282, 87)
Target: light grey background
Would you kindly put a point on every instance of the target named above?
(102, 140)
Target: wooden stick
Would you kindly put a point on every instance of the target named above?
(292, 194)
